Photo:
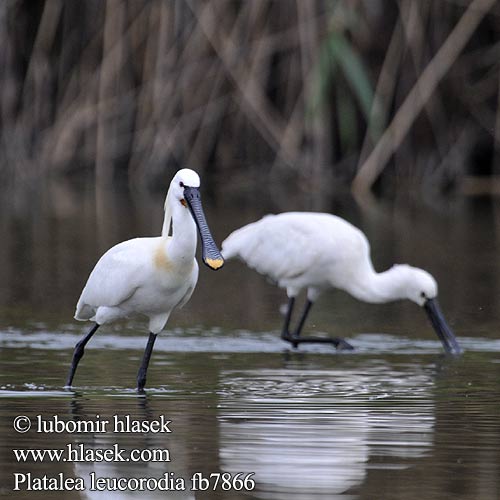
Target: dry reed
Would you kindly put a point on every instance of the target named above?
(345, 90)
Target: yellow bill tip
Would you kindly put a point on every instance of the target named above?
(215, 263)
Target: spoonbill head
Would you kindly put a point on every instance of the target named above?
(150, 276)
(316, 252)
(184, 188)
(417, 284)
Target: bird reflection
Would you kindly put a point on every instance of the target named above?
(312, 433)
(85, 408)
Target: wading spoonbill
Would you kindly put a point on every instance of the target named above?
(150, 276)
(317, 252)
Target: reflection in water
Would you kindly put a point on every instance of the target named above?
(315, 433)
(141, 409)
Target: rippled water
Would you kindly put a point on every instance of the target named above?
(394, 419)
(387, 421)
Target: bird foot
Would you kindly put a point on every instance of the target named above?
(343, 345)
(140, 385)
(340, 344)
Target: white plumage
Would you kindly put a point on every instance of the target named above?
(317, 252)
(150, 276)
(139, 276)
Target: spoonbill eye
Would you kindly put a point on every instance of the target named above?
(422, 294)
(181, 184)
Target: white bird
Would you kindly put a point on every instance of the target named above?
(317, 252)
(150, 276)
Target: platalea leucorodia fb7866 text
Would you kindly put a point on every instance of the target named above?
(317, 252)
(150, 276)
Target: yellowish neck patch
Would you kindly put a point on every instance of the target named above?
(161, 261)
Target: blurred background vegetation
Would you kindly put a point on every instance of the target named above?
(400, 94)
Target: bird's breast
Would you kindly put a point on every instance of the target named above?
(171, 271)
(161, 261)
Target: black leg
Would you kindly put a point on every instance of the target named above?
(285, 333)
(296, 339)
(305, 312)
(143, 370)
(78, 353)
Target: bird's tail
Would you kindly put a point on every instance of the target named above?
(227, 248)
(242, 242)
(231, 247)
(84, 312)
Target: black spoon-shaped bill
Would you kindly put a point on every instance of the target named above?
(210, 254)
(441, 327)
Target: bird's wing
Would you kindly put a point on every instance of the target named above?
(275, 246)
(116, 276)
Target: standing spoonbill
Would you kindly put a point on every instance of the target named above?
(317, 252)
(150, 276)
